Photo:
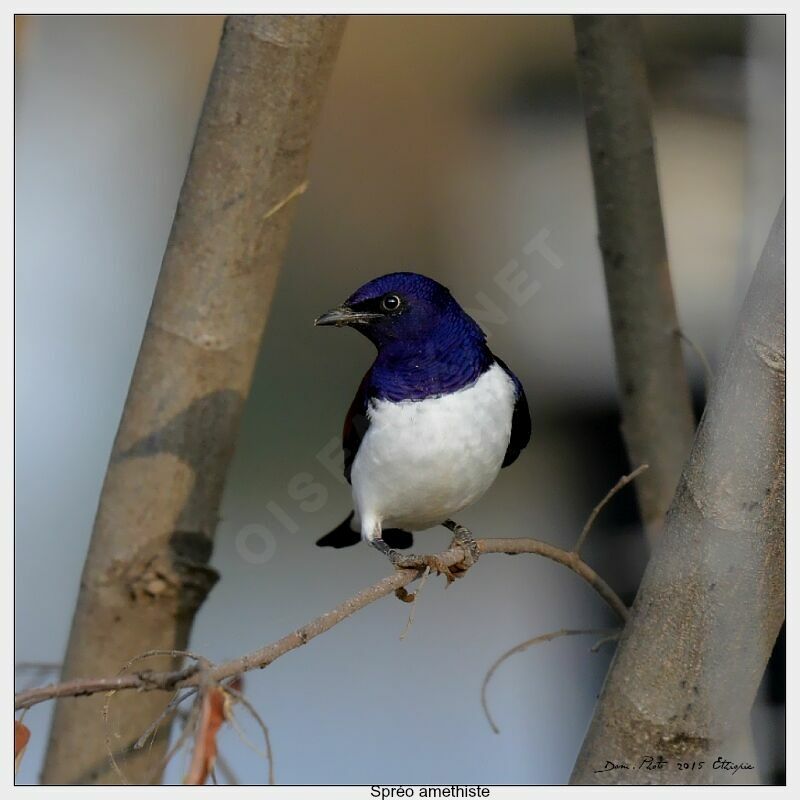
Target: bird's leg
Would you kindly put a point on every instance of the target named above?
(412, 561)
(464, 539)
(384, 548)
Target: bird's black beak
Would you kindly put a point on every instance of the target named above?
(344, 316)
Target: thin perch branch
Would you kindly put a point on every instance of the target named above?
(571, 560)
(258, 659)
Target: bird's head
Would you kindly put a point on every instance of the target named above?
(404, 307)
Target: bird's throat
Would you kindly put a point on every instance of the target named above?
(429, 369)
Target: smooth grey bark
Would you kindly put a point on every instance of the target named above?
(146, 571)
(657, 418)
(711, 602)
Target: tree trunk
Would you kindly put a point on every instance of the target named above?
(711, 601)
(146, 571)
(657, 417)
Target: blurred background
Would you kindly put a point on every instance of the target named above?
(450, 146)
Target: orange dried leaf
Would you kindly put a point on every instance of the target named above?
(213, 712)
(21, 736)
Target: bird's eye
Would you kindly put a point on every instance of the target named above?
(391, 302)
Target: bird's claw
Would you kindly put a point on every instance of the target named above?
(421, 562)
(463, 538)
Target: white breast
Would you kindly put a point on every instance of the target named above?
(421, 461)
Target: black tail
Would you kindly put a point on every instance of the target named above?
(341, 536)
(344, 536)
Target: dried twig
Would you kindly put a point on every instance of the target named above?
(226, 770)
(214, 712)
(612, 637)
(701, 356)
(152, 729)
(169, 710)
(22, 736)
(108, 743)
(239, 697)
(296, 192)
(189, 723)
(545, 637)
(412, 597)
(622, 482)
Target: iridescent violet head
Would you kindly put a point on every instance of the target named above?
(427, 344)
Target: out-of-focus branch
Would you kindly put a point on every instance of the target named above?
(657, 418)
(193, 676)
(147, 570)
(711, 602)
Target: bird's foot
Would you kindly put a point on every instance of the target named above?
(413, 561)
(424, 561)
(463, 538)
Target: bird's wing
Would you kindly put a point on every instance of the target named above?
(520, 420)
(356, 424)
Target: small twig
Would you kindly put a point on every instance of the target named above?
(698, 351)
(226, 770)
(296, 192)
(171, 708)
(545, 637)
(622, 482)
(190, 722)
(107, 739)
(413, 597)
(239, 697)
(38, 666)
(612, 637)
(200, 661)
(214, 711)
